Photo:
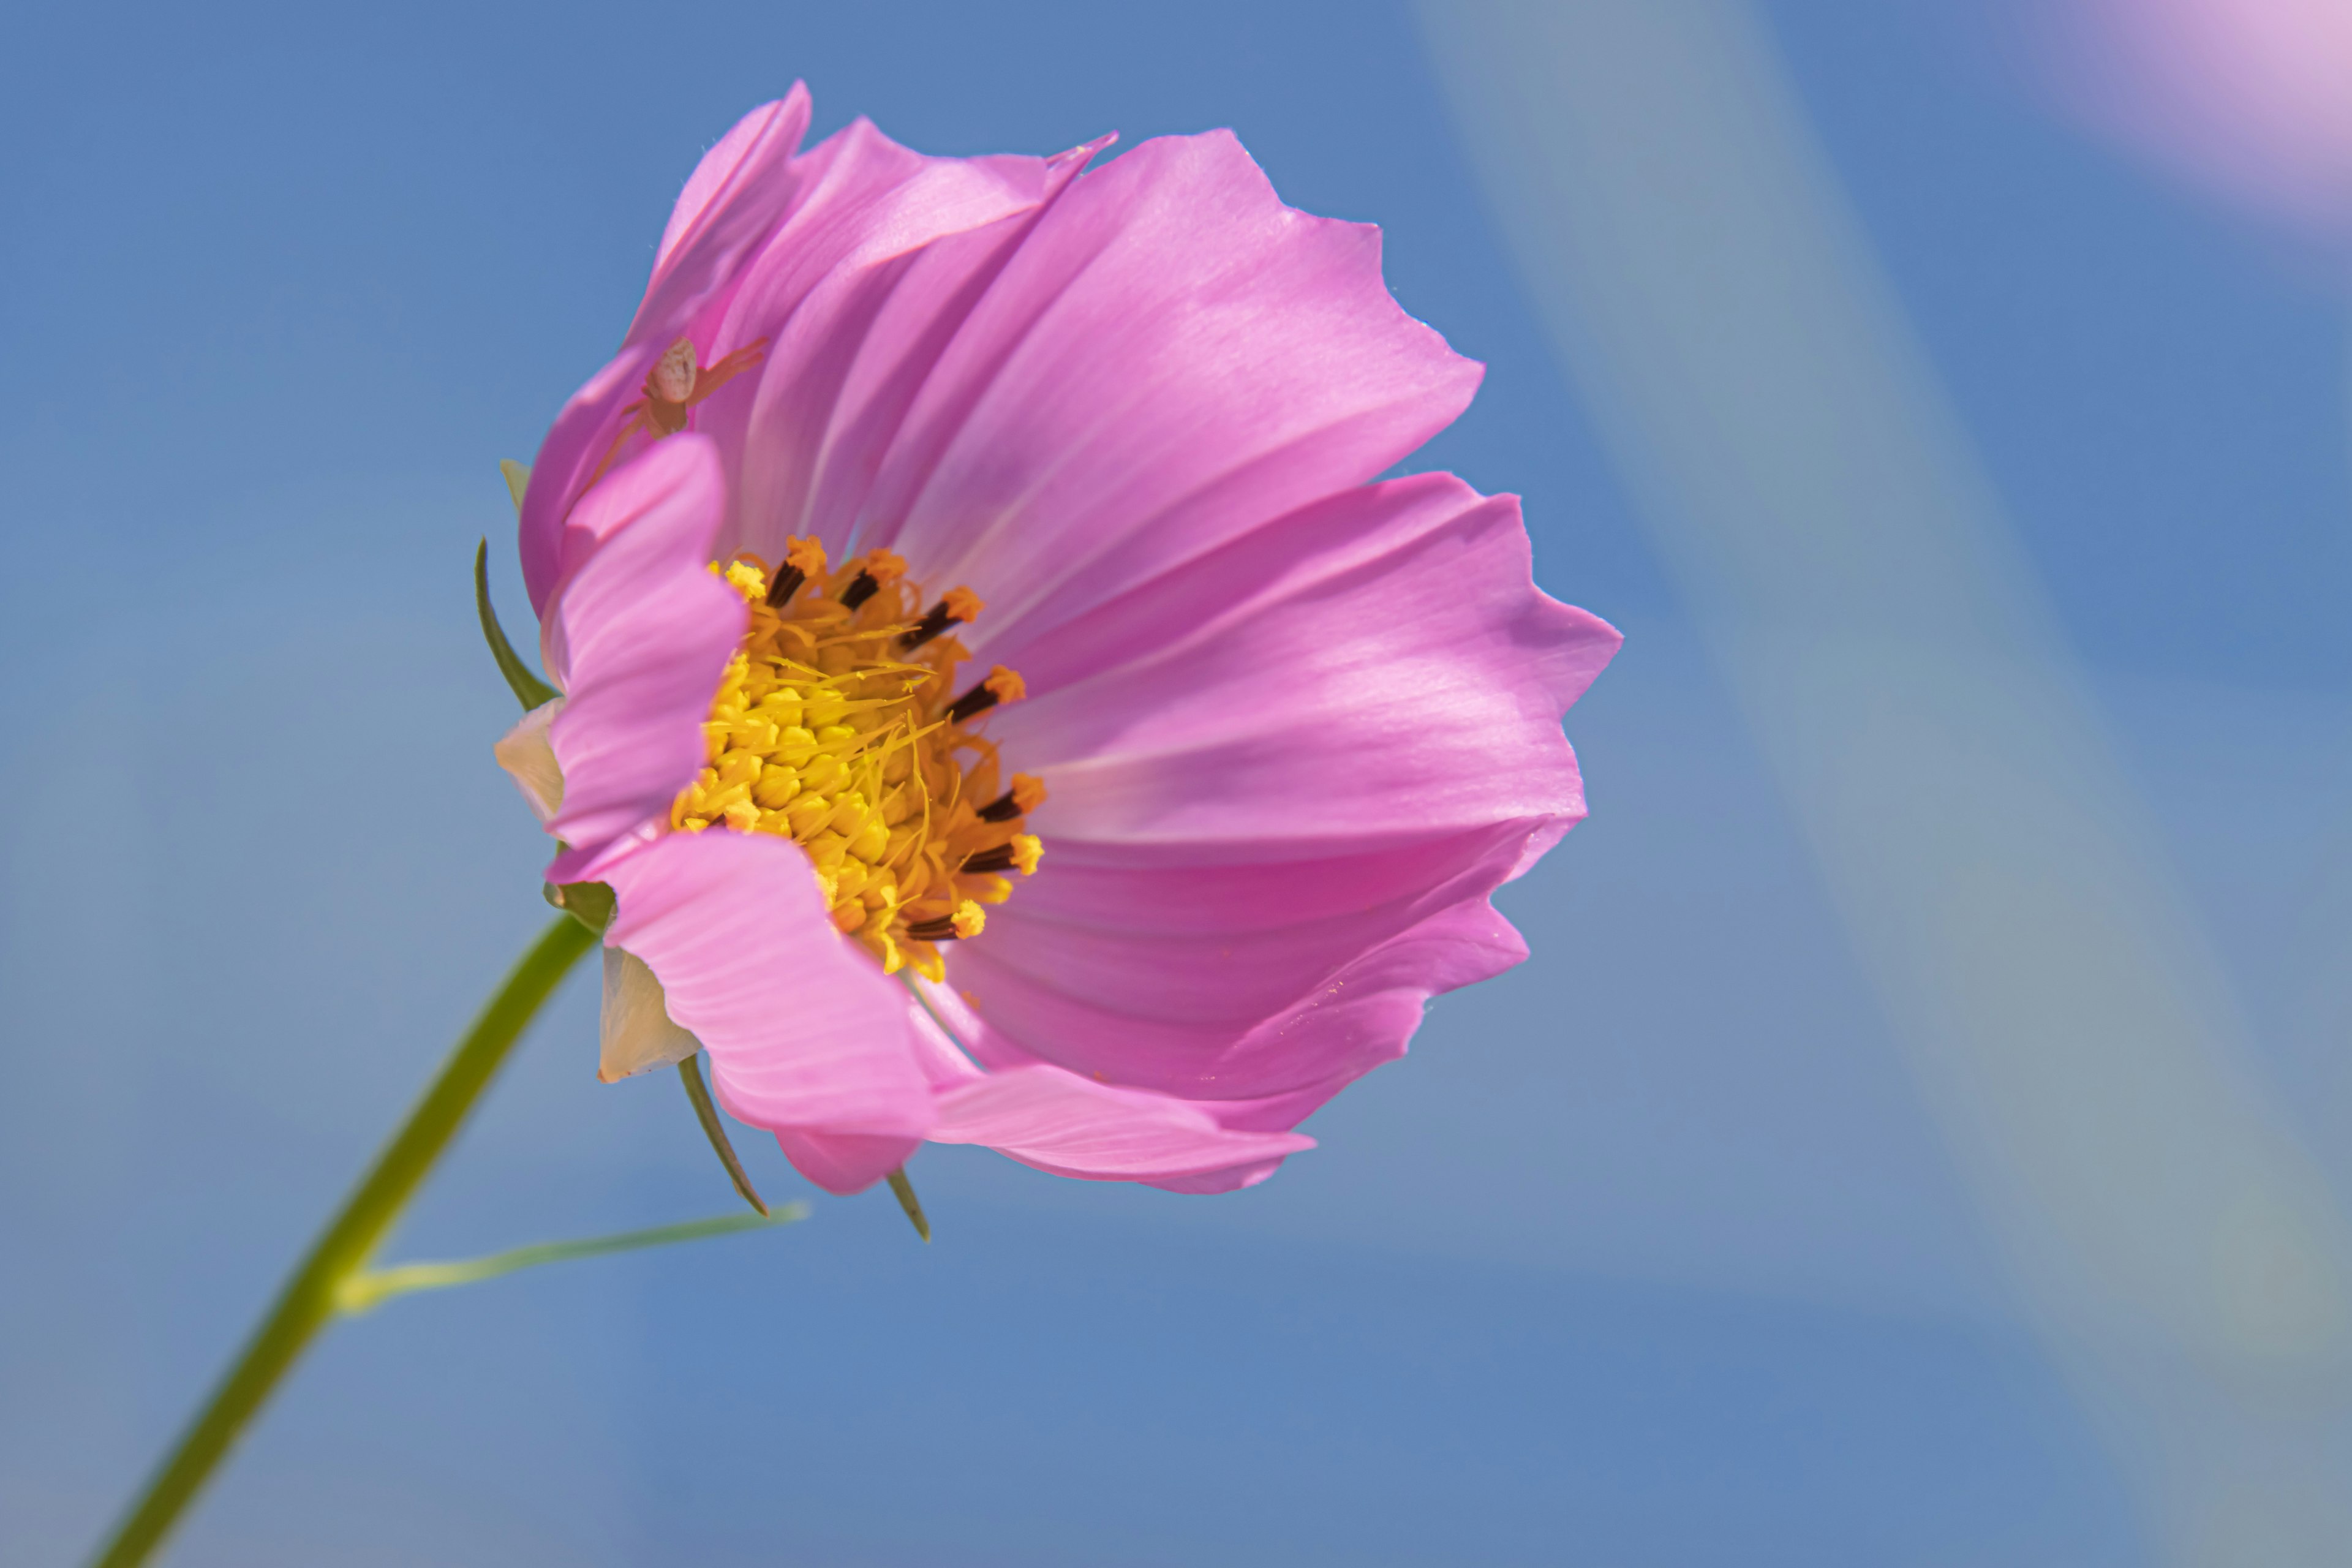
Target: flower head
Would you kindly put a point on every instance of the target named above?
(1001, 704)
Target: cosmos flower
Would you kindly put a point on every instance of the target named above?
(1004, 709)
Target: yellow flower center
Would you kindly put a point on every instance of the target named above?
(838, 726)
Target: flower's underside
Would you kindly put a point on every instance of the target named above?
(838, 726)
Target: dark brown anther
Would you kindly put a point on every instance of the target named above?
(940, 929)
(788, 582)
(1003, 808)
(997, 860)
(976, 701)
(861, 588)
(935, 620)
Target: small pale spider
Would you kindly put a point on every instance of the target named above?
(674, 385)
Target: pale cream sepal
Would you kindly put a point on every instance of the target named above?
(526, 754)
(518, 476)
(638, 1034)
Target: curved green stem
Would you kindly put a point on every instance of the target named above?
(309, 1299)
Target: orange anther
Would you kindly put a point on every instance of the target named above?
(807, 554)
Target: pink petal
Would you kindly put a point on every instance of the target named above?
(807, 1038)
(859, 310)
(1261, 1012)
(1070, 1126)
(639, 635)
(1171, 358)
(733, 200)
(844, 1162)
(1277, 811)
(1376, 667)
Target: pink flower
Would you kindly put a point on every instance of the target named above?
(1002, 707)
(2253, 97)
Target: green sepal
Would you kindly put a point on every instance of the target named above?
(900, 1187)
(904, 1191)
(528, 688)
(691, 1071)
(590, 903)
(368, 1287)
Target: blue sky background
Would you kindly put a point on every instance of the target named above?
(1648, 1254)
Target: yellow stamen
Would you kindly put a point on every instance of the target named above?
(963, 603)
(826, 730)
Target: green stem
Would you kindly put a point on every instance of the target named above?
(309, 1299)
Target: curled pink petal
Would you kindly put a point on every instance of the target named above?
(1078, 1127)
(1256, 1012)
(1071, 1126)
(806, 1035)
(844, 1162)
(730, 202)
(637, 636)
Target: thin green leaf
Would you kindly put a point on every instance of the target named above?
(900, 1187)
(370, 1288)
(690, 1072)
(528, 688)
